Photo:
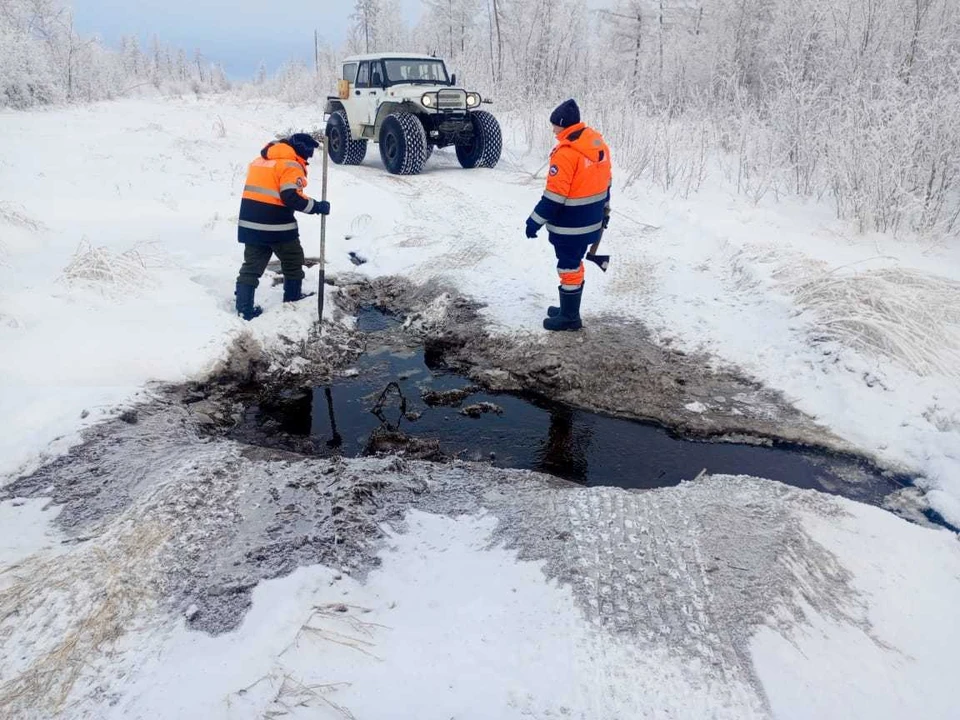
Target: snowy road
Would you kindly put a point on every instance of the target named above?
(493, 593)
(159, 181)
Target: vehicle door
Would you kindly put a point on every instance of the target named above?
(369, 91)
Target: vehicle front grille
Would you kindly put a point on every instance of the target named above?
(451, 100)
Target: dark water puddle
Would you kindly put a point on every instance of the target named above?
(937, 519)
(393, 396)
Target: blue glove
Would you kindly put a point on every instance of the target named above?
(320, 207)
(532, 228)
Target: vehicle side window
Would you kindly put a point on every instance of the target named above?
(363, 75)
(376, 75)
(350, 72)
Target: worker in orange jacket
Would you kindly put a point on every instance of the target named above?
(575, 207)
(267, 226)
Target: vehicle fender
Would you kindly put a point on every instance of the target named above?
(333, 104)
(387, 108)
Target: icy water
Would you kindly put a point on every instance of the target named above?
(528, 432)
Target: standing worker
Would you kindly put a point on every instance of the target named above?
(273, 191)
(575, 207)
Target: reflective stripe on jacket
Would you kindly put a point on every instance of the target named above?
(578, 186)
(272, 192)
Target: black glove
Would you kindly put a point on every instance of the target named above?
(320, 207)
(606, 217)
(532, 228)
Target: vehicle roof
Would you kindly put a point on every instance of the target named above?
(391, 56)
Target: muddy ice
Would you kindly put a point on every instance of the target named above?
(610, 367)
(613, 368)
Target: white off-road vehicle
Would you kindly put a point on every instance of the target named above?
(409, 105)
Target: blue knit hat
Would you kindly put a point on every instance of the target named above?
(566, 114)
(303, 144)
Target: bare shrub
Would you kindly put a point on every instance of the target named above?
(108, 272)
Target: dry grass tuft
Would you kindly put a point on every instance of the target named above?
(906, 316)
(69, 610)
(292, 693)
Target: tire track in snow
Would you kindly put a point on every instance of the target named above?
(693, 570)
(472, 222)
(468, 227)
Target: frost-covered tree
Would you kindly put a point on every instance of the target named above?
(452, 24)
(27, 75)
(183, 70)
(392, 31)
(366, 16)
(44, 60)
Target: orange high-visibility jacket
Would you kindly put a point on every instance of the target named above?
(578, 187)
(271, 194)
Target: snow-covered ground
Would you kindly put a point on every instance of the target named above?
(507, 596)
(449, 627)
(117, 263)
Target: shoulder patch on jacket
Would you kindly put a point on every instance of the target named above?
(554, 169)
(301, 182)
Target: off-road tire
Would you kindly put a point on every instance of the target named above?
(485, 144)
(403, 143)
(429, 153)
(342, 148)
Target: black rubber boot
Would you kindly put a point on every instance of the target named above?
(245, 307)
(569, 316)
(292, 291)
(554, 311)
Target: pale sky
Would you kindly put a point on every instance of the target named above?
(237, 33)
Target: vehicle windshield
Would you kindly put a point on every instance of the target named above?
(416, 71)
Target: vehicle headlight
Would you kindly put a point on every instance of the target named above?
(429, 100)
(473, 100)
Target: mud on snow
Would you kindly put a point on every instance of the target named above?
(164, 516)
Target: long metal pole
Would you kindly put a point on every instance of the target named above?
(323, 238)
